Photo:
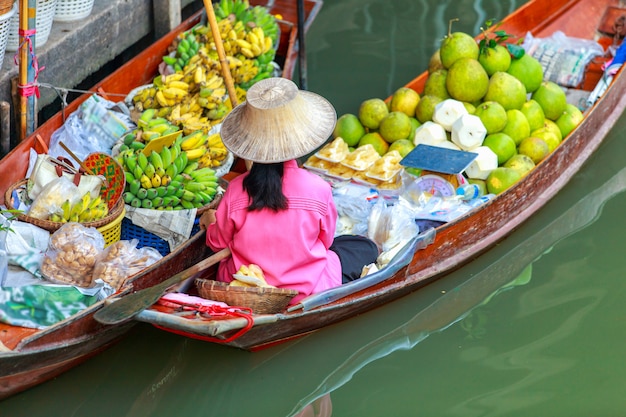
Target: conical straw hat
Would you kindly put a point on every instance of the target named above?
(278, 122)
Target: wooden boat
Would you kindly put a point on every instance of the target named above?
(336, 354)
(34, 356)
(453, 244)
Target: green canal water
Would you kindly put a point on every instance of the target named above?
(536, 326)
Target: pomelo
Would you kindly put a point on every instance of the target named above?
(535, 148)
(395, 126)
(521, 163)
(494, 59)
(493, 116)
(349, 128)
(571, 117)
(404, 99)
(501, 178)
(551, 126)
(467, 80)
(376, 140)
(426, 107)
(528, 70)
(506, 90)
(548, 136)
(534, 114)
(414, 125)
(517, 126)
(456, 46)
(372, 111)
(403, 146)
(435, 84)
(502, 145)
(551, 98)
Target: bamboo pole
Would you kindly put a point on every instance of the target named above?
(27, 104)
(228, 79)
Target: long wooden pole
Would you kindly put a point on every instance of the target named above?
(27, 19)
(302, 46)
(228, 79)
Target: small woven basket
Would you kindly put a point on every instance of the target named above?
(6, 6)
(114, 213)
(70, 10)
(262, 300)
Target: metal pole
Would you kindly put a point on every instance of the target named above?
(301, 46)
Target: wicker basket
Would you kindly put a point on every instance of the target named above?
(5, 24)
(262, 300)
(6, 6)
(112, 232)
(114, 213)
(43, 25)
(70, 10)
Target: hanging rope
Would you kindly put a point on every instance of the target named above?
(29, 89)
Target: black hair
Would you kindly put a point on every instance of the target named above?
(264, 185)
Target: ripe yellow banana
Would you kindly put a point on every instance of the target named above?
(174, 93)
(196, 153)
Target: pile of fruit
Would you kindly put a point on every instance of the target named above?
(179, 175)
(486, 97)
(86, 210)
(193, 95)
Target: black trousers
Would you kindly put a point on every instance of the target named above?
(354, 253)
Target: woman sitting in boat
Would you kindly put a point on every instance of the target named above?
(277, 215)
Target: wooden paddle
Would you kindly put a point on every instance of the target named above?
(129, 306)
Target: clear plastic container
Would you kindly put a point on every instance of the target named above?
(468, 192)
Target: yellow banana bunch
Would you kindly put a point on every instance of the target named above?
(84, 210)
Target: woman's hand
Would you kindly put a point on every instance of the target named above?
(207, 218)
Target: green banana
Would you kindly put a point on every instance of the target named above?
(166, 157)
(155, 160)
(130, 161)
(142, 193)
(128, 197)
(152, 193)
(142, 161)
(149, 170)
(195, 186)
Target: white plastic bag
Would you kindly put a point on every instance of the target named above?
(563, 58)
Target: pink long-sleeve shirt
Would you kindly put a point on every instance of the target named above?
(290, 246)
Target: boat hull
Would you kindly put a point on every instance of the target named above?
(459, 242)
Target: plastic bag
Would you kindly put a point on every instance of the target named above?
(391, 225)
(353, 214)
(94, 127)
(72, 255)
(121, 260)
(563, 58)
(48, 168)
(51, 198)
